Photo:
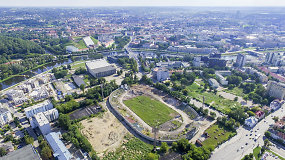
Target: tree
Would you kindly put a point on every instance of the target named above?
(82, 87)
(266, 143)
(46, 153)
(29, 140)
(164, 147)
(3, 152)
(275, 119)
(64, 121)
(236, 99)
(151, 156)
(267, 134)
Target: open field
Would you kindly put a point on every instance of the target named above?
(236, 91)
(153, 112)
(104, 133)
(217, 135)
(218, 102)
(78, 65)
(133, 148)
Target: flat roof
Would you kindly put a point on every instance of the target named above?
(41, 119)
(26, 153)
(97, 64)
(46, 102)
(88, 41)
(59, 149)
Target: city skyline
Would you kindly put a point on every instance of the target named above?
(94, 3)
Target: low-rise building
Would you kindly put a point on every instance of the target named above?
(213, 83)
(100, 68)
(274, 105)
(71, 49)
(5, 116)
(78, 80)
(162, 74)
(37, 108)
(26, 153)
(60, 152)
(251, 121)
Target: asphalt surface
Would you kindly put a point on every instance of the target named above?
(243, 143)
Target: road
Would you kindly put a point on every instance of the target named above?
(236, 148)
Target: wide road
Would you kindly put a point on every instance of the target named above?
(236, 148)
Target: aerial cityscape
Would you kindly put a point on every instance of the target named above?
(142, 82)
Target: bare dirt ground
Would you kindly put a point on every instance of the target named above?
(104, 133)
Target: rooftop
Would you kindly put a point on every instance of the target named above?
(59, 149)
(100, 63)
(41, 119)
(26, 153)
(46, 102)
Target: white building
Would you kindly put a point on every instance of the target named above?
(60, 152)
(241, 59)
(162, 74)
(274, 105)
(221, 79)
(100, 68)
(262, 77)
(276, 89)
(71, 49)
(88, 41)
(52, 114)
(5, 116)
(16, 96)
(40, 120)
(251, 121)
(40, 107)
(213, 83)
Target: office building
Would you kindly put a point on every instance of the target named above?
(39, 120)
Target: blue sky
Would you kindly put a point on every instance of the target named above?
(142, 3)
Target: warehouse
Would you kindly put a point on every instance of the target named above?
(100, 68)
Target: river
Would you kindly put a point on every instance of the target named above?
(12, 81)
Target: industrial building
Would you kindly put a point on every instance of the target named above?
(100, 68)
(60, 152)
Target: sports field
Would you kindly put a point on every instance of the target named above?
(151, 111)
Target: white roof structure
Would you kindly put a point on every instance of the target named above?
(88, 41)
(59, 149)
(97, 64)
(41, 119)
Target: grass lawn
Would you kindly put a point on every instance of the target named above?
(78, 65)
(256, 151)
(151, 111)
(133, 149)
(94, 40)
(220, 103)
(214, 131)
(236, 91)
(80, 44)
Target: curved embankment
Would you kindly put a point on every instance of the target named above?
(113, 108)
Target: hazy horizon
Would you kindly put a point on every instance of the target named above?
(145, 3)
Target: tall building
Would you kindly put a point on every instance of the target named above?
(40, 120)
(276, 89)
(241, 59)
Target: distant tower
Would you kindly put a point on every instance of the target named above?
(241, 59)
